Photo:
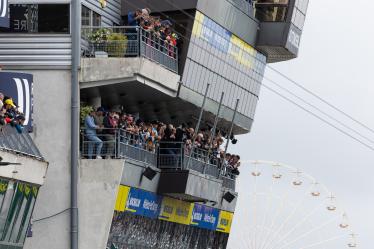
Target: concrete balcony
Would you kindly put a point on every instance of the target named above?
(193, 179)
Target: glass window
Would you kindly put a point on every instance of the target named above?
(302, 5)
(271, 10)
(96, 19)
(90, 17)
(39, 18)
(85, 16)
(298, 19)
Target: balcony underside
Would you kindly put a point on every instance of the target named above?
(147, 88)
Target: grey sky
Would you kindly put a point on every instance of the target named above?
(335, 61)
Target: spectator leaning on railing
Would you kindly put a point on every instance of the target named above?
(157, 28)
(102, 127)
(9, 114)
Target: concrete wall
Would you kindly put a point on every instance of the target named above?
(30, 170)
(97, 193)
(132, 173)
(52, 136)
(102, 71)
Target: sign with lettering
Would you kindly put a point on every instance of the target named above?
(224, 222)
(18, 86)
(174, 210)
(4, 16)
(147, 204)
(293, 39)
(223, 40)
(143, 203)
(123, 192)
(205, 217)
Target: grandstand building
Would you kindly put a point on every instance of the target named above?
(136, 198)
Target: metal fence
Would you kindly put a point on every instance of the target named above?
(127, 41)
(118, 143)
(22, 143)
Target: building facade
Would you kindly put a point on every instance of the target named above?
(141, 198)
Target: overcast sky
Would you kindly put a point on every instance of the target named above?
(336, 62)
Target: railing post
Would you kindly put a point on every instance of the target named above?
(138, 41)
(118, 143)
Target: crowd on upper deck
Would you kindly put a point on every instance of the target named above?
(9, 113)
(160, 29)
(102, 126)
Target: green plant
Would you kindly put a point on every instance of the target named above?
(84, 111)
(103, 39)
(117, 44)
(100, 35)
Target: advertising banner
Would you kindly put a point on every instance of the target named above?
(4, 16)
(205, 217)
(223, 40)
(18, 86)
(177, 211)
(147, 204)
(225, 221)
(123, 193)
(143, 203)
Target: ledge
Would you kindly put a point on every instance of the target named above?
(104, 71)
(31, 169)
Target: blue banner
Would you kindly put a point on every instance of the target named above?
(4, 17)
(217, 36)
(205, 217)
(18, 86)
(143, 203)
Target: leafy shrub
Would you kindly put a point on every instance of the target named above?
(113, 43)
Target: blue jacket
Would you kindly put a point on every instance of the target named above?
(90, 125)
(131, 19)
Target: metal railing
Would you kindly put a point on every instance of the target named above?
(128, 41)
(119, 143)
(22, 143)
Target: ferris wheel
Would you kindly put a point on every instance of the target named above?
(281, 207)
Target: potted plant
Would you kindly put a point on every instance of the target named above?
(114, 44)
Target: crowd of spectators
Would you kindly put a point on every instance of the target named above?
(102, 129)
(9, 113)
(159, 32)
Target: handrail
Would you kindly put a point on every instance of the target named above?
(120, 143)
(128, 41)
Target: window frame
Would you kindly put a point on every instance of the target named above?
(91, 14)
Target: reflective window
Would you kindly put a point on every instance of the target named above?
(226, 62)
(271, 10)
(298, 16)
(90, 17)
(39, 18)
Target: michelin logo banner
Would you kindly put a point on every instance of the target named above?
(147, 204)
(4, 19)
(18, 86)
(143, 203)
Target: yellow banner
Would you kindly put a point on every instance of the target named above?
(241, 51)
(198, 24)
(224, 222)
(177, 211)
(123, 192)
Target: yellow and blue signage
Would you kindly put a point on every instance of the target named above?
(147, 204)
(205, 217)
(123, 193)
(225, 221)
(143, 203)
(223, 40)
(177, 211)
